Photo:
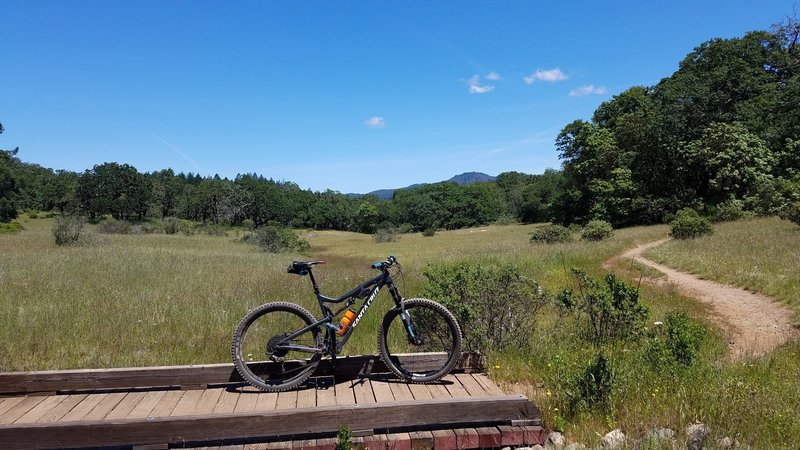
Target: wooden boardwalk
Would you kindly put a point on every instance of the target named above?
(456, 412)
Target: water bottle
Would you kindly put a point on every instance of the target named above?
(347, 319)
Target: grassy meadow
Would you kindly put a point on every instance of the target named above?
(137, 300)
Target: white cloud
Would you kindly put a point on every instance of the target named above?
(476, 88)
(375, 122)
(494, 76)
(587, 90)
(551, 76)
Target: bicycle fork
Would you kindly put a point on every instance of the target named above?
(413, 337)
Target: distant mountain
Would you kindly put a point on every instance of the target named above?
(462, 179)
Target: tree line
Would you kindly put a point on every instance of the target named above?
(722, 133)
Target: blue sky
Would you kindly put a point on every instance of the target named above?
(353, 95)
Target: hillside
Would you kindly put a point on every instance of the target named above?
(461, 180)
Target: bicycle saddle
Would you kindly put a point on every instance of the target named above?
(301, 267)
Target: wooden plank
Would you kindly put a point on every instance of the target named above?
(82, 409)
(421, 439)
(534, 435)
(444, 439)
(467, 438)
(167, 403)
(266, 401)
(172, 376)
(398, 441)
(489, 437)
(105, 406)
(39, 410)
(344, 394)
(326, 396)
(187, 403)
(511, 436)
(454, 387)
(401, 391)
(326, 444)
(307, 398)
(20, 409)
(362, 388)
(146, 405)
(208, 400)
(420, 391)
(438, 390)
(227, 402)
(488, 385)
(93, 433)
(247, 401)
(8, 403)
(125, 406)
(69, 402)
(382, 391)
(286, 400)
(473, 387)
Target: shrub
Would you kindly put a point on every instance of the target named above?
(67, 230)
(591, 390)
(249, 224)
(429, 232)
(33, 215)
(171, 225)
(597, 230)
(10, 227)
(611, 309)
(505, 219)
(114, 226)
(791, 212)
(386, 235)
(275, 239)
(689, 224)
(550, 234)
(214, 230)
(680, 343)
(495, 306)
(729, 210)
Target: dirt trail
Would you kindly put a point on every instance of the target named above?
(752, 323)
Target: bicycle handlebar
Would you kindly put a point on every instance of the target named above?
(383, 265)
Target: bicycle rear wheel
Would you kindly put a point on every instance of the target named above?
(432, 351)
(259, 347)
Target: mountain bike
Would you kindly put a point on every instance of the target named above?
(278, 345)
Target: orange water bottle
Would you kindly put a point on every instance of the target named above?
(347, 319)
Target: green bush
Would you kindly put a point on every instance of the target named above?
(791, 212)
(249, 224)
(275, 239)
(214, 230)
(729, 210)
(10, 227)
(429, 232)
(68, 230)
(679, 343)
(689, 224)
(386, 235)
(550, 234)
(171, 225)
(610, 310)
(114, 226)
(495, 306)
(591, 390)
(597, 230)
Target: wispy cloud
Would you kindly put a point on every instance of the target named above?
(550, 76)
(494, 76)
(178, 151)
(375, 122)
(475, 86)
(589, 89)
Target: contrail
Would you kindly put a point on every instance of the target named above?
(178, 151)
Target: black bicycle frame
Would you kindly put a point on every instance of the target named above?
(367, 290)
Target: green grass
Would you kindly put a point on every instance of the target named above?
(137, 300)
(761, 255)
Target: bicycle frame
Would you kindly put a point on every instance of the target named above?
(367, 290)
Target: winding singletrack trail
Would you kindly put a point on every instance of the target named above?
(752, 323)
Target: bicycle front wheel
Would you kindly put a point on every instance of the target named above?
(266, 354)
(428, 350)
